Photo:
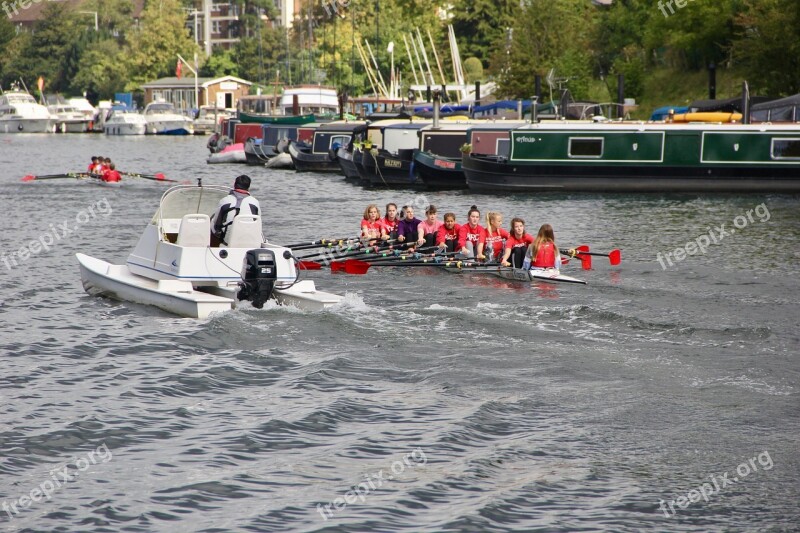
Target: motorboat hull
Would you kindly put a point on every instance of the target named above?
(22, 125)
(125, 129)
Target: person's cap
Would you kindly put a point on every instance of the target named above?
(242, 182)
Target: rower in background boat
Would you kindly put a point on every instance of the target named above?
(429, 227)
(492, 247)
(371, 226)
(408, 228)
(543, 253)
(447, 236)
(517, 244)
(471, 235)
(229, 207)
(389, 222)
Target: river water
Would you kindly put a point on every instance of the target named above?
(427, 401)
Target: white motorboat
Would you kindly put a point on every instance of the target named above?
(209, 117)
(163, 119)
(68, 119)
(19, 113)
(175, 267)
(125, 122)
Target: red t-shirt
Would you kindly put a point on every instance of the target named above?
(475, 235)
(495, 242)
(443, 236)
(389, 225)
(513, 242)
(111, 176)
(371, 229)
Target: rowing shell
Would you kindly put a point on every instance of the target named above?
(549, 275)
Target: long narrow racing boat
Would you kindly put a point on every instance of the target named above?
(175, 267)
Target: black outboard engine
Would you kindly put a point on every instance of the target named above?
(259, 273)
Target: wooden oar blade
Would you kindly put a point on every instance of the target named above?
(615, 257)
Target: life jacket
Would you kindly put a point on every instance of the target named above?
(220, 224)
(546, 256)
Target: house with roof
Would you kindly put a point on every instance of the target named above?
(220, 92)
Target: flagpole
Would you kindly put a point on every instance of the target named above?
(196, 95)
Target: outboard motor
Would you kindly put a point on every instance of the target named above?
(259, 273)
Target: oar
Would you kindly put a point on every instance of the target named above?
(321, 242)
(73, 175)
(308, 265)
(354, 266)
(614, 256)
(154, 177)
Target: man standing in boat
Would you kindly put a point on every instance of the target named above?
(238, 201)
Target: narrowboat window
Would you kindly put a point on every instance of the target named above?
(340, 140)
(585, 147)
(504, 147)
(786, 149)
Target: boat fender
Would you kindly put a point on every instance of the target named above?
(259, 274)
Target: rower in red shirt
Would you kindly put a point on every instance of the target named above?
(389, 223)
(495, 237)
(543, 253)
(92, 165)
(371, 224)
(516, 244)
(111, 175)
(447, 235)
(471, 234)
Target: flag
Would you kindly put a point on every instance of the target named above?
(40, 83)
(178, 69)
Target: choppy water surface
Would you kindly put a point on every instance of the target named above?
(427, 401)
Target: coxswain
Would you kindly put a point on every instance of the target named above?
(496, 235)
(516, 244)
(471, 234)
(389, 222)
(543, 253)
(371, 223)
(447, 236)
(408, 228)
(429, 227)
(238, 201)
(111, 175)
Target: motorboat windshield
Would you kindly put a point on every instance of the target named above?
(189, 200)
(160, 109)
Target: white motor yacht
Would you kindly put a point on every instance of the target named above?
(208, 118)
(125, 121)
(19, 113)
(68, 119)
(163, 119)
(176, 268)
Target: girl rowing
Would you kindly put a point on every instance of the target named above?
(516, 244)
(496, 235)
(471, 234)
(447, 236)
(389, 223)
(371, 223)
(543, 253)
(429, 227)
(408, 228)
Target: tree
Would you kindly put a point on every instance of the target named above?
(473, 70)
(767, 45)
(481, 25)
(153, 47)
(221, 63)
(101, 69)
(547, 34)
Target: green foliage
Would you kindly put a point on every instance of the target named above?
(768, 46)
(153, 46)
(632, 66)
(473, 70)
(101, 69)
(221, 63)
(481, 25)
